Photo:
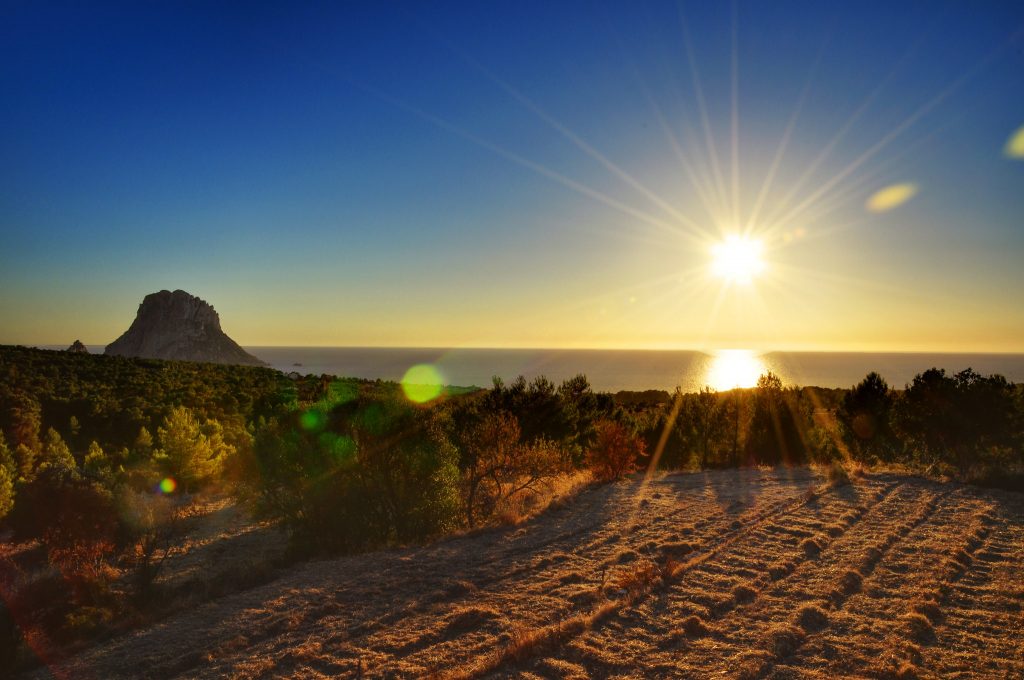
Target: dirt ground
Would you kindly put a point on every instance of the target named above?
(739, 574)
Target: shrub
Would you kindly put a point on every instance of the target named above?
(497, 465)
(368, 471)
(614, 452)
(194, 451)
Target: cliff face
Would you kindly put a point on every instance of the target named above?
(182, 327)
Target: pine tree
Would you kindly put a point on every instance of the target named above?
(6, 491)
(56, 452)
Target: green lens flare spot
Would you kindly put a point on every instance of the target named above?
(168, 485)
(422, 383)
(312, 420)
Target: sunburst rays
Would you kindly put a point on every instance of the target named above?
(773, 212)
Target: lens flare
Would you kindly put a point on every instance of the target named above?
(168, 485)
(1015, 144)
(422, 383)
(731, 368)
(312, 420)
(891, 197)
(737, 259)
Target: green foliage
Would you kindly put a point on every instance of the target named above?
(497, 463)
(25, 461)
(775, 434)
(865, 417)
(7, 457)
(112, 398)
(194, 452)
(565, 415)
(6, 490)
(965, 421)
(95, 460)
(369, 471)
(142, 448)
(56, 452)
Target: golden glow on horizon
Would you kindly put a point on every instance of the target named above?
(1015, 144)
(737, 259)
(731, 368)
(891, 197)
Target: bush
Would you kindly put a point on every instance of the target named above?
(497, 465)
(366, 472)
(965, 421)
(614, 452)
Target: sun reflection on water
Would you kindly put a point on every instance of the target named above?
(730, 368)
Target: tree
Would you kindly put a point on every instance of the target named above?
(6, 490)
(142, 448)
(151, 526)
(614, 452)
(497, 465)
(56, 452)
(95, 459)
(7, 458)
(703, 423)
(774, 435)
(23, 420)
(865, 417)
(194, 452)
(966, 421)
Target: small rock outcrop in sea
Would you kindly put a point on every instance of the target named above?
(182, 327)
(77, 348)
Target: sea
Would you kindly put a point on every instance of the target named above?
(615, 370)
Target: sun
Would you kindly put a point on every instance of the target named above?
(737, 259)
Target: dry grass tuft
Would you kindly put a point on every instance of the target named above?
(744, 593)
(781, 570)
(835, 529)
(677, 548)
(694, 627)
(812, 618)
(470, 618)
(918, 627)
(929, 610)
(640, 579)
(871, 557)
(904, 671)
(783, 640)
(461, 587)
(572, 577)
(811, 546)
(850, 582)
(837, 475)
(626, 556)
(750, 668)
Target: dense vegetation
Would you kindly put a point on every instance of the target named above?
(99, 455)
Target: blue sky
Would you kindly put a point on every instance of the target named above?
(515, 175)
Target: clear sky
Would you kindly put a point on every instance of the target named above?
(533, 174)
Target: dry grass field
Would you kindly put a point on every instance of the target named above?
(740, 574)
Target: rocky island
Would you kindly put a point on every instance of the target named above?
(179, 326)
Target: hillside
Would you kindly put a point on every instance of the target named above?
(749, 573)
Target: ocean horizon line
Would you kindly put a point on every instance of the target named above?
(708, 351)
